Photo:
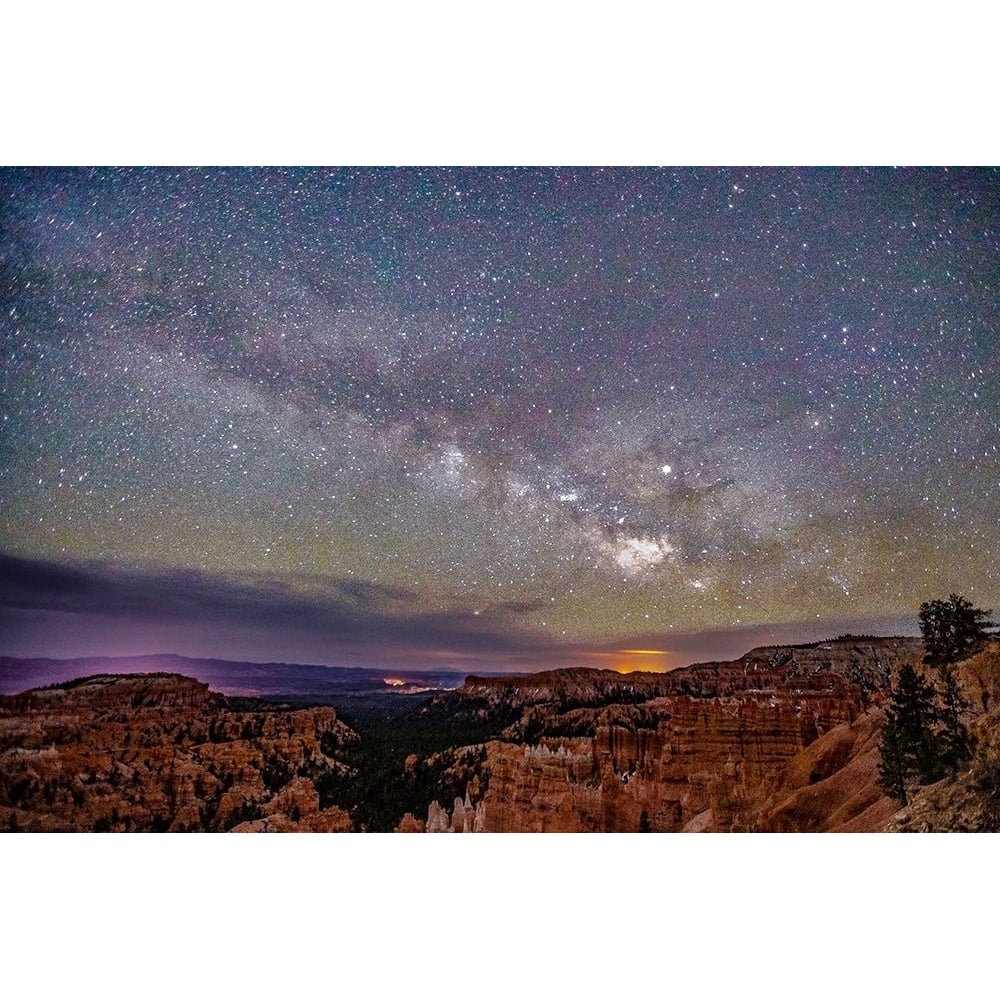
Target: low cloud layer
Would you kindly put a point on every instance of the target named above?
(55, 609)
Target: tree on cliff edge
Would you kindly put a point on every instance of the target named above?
(892, 764)
(924, 737)
(911, 746)
(952, 630)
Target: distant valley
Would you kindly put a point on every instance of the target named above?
(366, 690)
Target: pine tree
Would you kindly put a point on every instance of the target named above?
(911, 746)
(954, 735)
(951, 629)
(892, 766)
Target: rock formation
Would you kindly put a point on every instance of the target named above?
(715, 746)
(970, 800)
(781, 739)
(161, 752)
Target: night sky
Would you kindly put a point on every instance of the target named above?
(493, 419)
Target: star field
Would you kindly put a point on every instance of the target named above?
(500, 413)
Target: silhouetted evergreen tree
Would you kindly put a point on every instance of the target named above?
(892, 765)
(911, 746)
(924, 737)
(951, 629)
(954, 736)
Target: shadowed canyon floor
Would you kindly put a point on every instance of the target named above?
(782, 739)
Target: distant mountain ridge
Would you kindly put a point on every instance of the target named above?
(229, 677)
(276, 678)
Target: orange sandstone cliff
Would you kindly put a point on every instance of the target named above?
(782, 738)
(161, 752)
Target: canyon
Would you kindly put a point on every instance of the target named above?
(782, 739)
(700, 748)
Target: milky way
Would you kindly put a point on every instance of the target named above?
(493, 417)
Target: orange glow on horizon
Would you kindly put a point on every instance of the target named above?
(627, 661)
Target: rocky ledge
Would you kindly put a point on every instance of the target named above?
(161, 752)
(783, 738)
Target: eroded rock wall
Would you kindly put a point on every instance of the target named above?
(161, 752)
(702, 750)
